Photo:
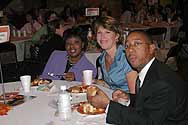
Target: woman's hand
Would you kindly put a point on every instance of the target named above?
(69, 76)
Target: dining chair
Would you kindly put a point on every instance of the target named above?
(175, 50)
(158, 34)
(98, 66)
(8, 60)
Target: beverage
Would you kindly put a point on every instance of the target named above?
(169, 20)
(26, 83)
(19, 33)
(87, 77)
(89, 35)
(64, 105)
(14, 33)
(24, 33)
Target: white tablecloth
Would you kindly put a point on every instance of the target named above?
(22, 48)
(171, 29)
(39, 112)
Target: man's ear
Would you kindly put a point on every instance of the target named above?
(152, 47)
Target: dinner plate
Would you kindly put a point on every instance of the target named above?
(9, 95)
(77, 89)
(19, 99)
(37, 82)
(87, 106)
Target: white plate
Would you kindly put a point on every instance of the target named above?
(78, 97)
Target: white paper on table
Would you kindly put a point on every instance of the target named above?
(4, 33)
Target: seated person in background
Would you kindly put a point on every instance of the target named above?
(126, 16)
(43, 18)
(140, 11)
(161, 97)
(155, 14)
(5, 20)
(112, 60)
(68, 15)
(72, 62)
(32, 25)
(52, 41)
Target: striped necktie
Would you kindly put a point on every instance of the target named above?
(137, 85)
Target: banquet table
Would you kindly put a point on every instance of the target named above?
(171, 28)
(22, 46)
(41, 110)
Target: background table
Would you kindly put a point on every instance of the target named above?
(22, 47)
(172, 29)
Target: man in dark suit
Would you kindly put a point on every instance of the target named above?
(161, 95)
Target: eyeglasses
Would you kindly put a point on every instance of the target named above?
(136, 44)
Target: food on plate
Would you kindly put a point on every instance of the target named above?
(91, 90)
(37, 82)
(9, 95)
(4, 109)
(19, 99)
(78, 89)
(87, 108)
(43, 88)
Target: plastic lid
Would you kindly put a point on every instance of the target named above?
(63, 87)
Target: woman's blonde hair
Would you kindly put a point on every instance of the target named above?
(109, 23)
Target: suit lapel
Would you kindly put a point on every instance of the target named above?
(148, 81)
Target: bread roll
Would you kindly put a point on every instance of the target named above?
(91, 90)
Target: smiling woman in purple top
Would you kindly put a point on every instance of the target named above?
(69, 63)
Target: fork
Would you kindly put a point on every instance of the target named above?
(55, 75)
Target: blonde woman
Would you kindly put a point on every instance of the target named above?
(116, 71)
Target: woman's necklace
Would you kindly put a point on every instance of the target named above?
(73, 61)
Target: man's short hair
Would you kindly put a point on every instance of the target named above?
(143, 33)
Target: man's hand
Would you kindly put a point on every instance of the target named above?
(119, 95)
(69, 76)
(100, 100)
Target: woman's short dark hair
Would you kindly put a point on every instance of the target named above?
(75, 32)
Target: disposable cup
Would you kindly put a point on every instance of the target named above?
(24, 33)
(87, 77)
(26, 83)
(19, 33)
(169, 20)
